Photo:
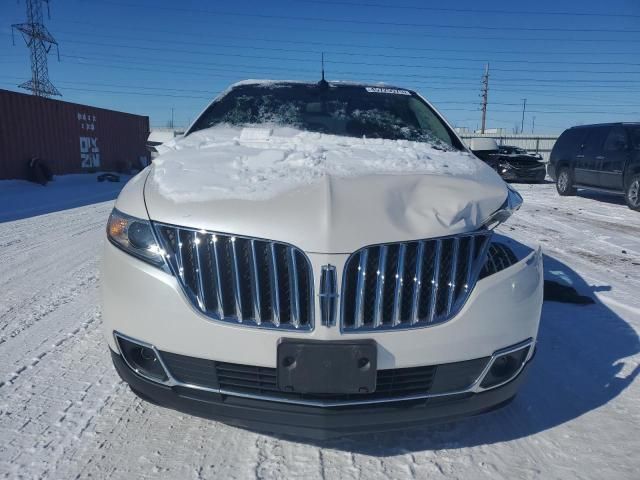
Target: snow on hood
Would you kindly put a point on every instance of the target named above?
(323, 193)
(257, 163)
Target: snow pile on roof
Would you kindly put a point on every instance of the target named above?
(261, 162)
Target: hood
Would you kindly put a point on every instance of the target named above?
(321, 193)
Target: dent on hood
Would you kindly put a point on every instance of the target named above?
(319, 192)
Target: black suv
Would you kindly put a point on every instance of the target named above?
(600, 157)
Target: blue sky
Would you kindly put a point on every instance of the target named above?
(574, 61)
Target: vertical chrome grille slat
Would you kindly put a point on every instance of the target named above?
(242, 280)
(294, 290)
(362, 269)
(218, 279)
(452, 277)
(397, 300)
(434, 281)
(273, 282)
(255, 284)
(178, 253)
(199, 279)
(235, 274)
(382, 266)
(470, 263)
(417, 284)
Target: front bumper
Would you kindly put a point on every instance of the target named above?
(144, 302)
(318, 422)
(536, 174)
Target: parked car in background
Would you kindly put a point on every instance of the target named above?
(603, 157)
(515, 164)
(320, 259)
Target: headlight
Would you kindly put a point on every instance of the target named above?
(134, 236)
(508, 208)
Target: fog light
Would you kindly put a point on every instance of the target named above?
(142, 359)
(505, 367)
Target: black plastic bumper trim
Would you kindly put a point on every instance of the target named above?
(313, 422)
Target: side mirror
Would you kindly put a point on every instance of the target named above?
(484, 144)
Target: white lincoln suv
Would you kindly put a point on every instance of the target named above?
(319, 259)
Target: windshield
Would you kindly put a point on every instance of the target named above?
(352, 111)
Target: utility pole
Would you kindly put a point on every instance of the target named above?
(172, 124)
(485, 96)
(533, 124)
(40, 42)
(524, 107)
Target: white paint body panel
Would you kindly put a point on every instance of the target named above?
(329, 218)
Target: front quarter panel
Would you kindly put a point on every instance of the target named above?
(131, 198)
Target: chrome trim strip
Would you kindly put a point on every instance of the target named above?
(294, 291)
(255, 284)
(235, 274)
(179, 258)
(199, 279)
(170, 378)
(470, 262)
(528, 343)
(216, 261)
(452, 278)
(473, 388)
(397, 300)
(273, 281)
(382, 267)
(433, 301)
(362, 271)
(417, 284)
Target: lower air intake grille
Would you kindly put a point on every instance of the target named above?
(412, 284)
(249, 380)
(241, 280)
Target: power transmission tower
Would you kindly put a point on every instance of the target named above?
(524, 108)
(40, 42)
(485, 96)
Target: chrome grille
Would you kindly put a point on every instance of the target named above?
(411, 284)
(241, 280)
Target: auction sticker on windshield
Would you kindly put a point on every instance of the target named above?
(395, 91)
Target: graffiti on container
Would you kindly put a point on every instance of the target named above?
(89, 151)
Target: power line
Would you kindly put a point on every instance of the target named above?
(370, 64)
(323, 44)
(140, 92)
(450, 80)
(473, 11)
(372, 22)
(382, 55)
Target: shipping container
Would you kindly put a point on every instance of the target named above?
(67, 137)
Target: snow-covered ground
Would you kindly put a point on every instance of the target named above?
(21, 199)
(64, 413)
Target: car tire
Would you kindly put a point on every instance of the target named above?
(632, 193)
(564, 183)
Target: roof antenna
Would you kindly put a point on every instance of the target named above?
(323, 83)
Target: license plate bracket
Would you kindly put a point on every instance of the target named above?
(327, 367)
